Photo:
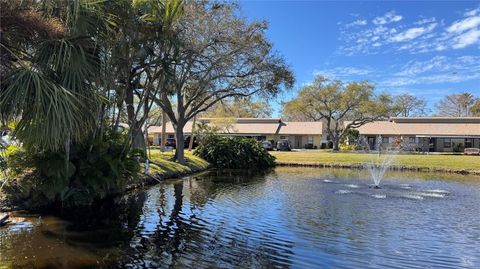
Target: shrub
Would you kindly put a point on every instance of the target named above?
(351, 136)
(345, 147)
(234, 152)
(90, 172)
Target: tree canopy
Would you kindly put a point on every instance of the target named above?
(218, 55)
(407, 105)
(340, 105)
(239, 108)
(457, 105)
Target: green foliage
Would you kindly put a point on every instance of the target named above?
(234, 152)
(237, 107)
(351, 136)
(48, 88)
(351, 147)
(90, 172)
(342, 105)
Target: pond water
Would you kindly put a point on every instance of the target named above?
(289, 217)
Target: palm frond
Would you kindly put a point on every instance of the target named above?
(50, 114)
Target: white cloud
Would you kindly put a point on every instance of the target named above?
(421, 36)
(466, 39)
(472, 12)
(418, 67)
(465, 24)
(439, 69)
(343, 72)
(465, 32)
(431, 79)
(389, 17)
(360, 22)
(425, 21)
(413, 33)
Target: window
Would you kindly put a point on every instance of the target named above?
(283, 137)
(385, 140)
(310, 140)
(411, 140)
(468, 142)
(447, 143)
(171, 136)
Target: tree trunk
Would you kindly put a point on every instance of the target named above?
(164, 127)
(336, 141)
(180, 151)
(192, 135)
(138, 140)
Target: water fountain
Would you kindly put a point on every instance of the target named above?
(379, 165)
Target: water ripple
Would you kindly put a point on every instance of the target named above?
(267, 221)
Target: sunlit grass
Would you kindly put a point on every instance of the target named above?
(453, 162)
(163, 163)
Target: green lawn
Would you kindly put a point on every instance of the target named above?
(453, 162)
(163, 164)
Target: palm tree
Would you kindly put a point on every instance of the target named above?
(48, 82)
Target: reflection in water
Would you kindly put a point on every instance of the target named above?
(290, 217)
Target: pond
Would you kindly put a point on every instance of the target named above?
(288, 217)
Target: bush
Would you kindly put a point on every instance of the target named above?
(345, 147)
(234, 152)
(351, 136)
(91, 171)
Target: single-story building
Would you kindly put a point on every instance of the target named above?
(300, 134)
(427, 134)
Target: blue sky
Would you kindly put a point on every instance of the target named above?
(426, 48)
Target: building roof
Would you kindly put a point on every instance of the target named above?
(435, 119)
(253, 126)
(301, 128)
(423, 127)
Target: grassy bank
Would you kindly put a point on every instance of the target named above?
(163, 166)
(454, 163)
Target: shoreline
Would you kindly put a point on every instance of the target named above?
(148, 181)
(391, 167)
(157, 178)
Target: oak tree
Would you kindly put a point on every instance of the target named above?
(342, 106)
(218, 55)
